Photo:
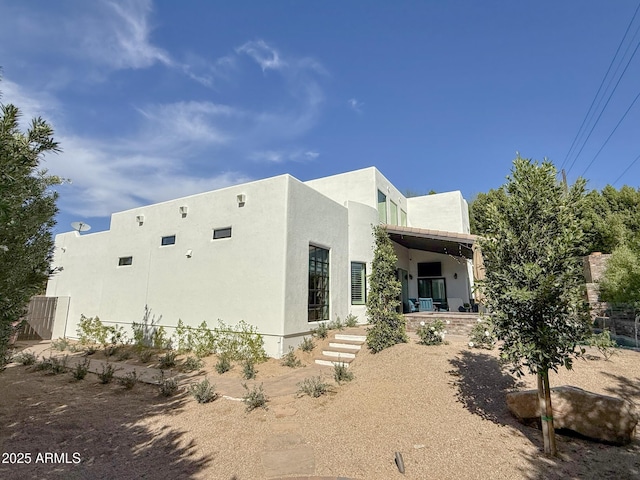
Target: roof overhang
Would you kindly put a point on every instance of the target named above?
(437, 241)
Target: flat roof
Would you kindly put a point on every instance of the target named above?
(437, 241)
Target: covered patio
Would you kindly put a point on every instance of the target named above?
(437, 265)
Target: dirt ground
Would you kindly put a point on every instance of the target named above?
(443, 408)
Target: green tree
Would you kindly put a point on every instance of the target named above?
(388, 326)
(534, 286)
(620, 284)
(27, 210)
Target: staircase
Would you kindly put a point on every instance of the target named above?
(341, 350)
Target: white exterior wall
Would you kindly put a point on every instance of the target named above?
(442, 211)
(232, 279)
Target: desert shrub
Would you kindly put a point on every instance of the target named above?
(168, 386)
(61, 344)
(168, 360)
(25, 358)
(336, 324)
(203, 391)
(313, 386)
(384, 335)
(81, 369)
(44, 365)
(110, 350)
(604, 343)
(160, 340)
(183, 338)
(145, 354)
(90, 350)
(124, 354)
(192, 363)
(223, 364)
(147, 333)
(204, 341)
(254, 398)
(129, 380)
(58, 365)
(249, 370)
(433, 333)
(307, 345)
(351, 320)
(482, 335)
(106, 376)
(91, 330)
(240, 342)
(290, 360)
(341, 373)
(321, 331)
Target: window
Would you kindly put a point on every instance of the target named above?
(169, 240)
(435, 288)
(403, 218)
(318, 284)
(358, 283)
(394, 213)
(382, 207)
(124, 261)
(222, 233)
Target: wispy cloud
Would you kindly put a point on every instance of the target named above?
(267, 57)
(355, 105)
(272, 156)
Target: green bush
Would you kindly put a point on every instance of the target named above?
(44, 365)
(341, 373)
(223, 365)
(61, 344)
(168, 386)
(81, 369)
(168, 360)
(321, 331)
(382, 335)
(432, 333)
(482, 335)
(59, 365)
(192, 363)
(336, 324)
(307, 345)
(248, 370)
(91, 330)
(107, 373)
(604, 343)
(203, 391)
(25, 358)
(145, 354)
(351, 320)
(290, 360)
(129, 380)
(314, 387)
(254, 398)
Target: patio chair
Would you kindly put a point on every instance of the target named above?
(426, 304)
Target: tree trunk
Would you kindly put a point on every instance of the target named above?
(546, 413)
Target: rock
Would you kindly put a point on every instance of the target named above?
(599, 417)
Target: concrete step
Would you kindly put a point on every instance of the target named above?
(351, 338)
(331, 361)
(338, 352)
(346, 346)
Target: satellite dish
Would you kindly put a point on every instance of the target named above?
(80, 227)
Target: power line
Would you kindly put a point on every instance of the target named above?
(587, 115)
(611, 134)
(626, 170)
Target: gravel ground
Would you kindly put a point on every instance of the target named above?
(443, 408)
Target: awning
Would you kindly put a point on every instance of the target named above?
(437, 241)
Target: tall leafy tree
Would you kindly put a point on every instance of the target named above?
(534, 286)
(388, 325)
(27, 210)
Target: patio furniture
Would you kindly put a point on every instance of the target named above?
(426, 304)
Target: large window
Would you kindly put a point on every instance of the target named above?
(358, 283)
(382, 207)
(318, 284)
(394, 213)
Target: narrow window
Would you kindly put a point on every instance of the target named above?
(222, 233)
(403, 218)
(393, 213)
(168, 240)
(382, 207)
(318, 284)
(358, 283)
(124, 261)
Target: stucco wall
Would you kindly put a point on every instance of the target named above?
(442, 211)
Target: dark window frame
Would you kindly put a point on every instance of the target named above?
(219, 233)
(125, 261)
(168, 240)
(319, 282)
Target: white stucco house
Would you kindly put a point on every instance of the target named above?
(278, 253)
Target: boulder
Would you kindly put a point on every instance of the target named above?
(599, 417)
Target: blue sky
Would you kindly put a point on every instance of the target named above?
(156, 100)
